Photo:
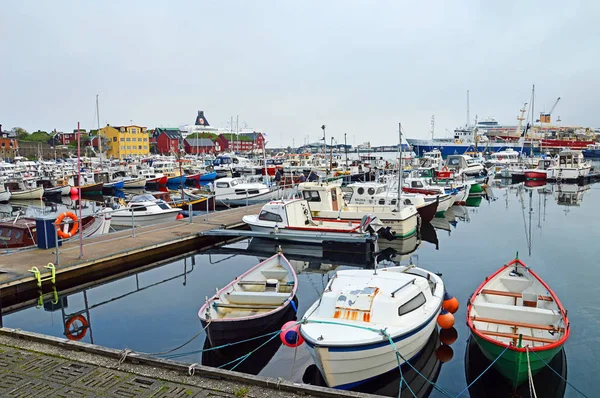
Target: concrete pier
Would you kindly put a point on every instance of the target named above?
(34, 365)
(115, 252)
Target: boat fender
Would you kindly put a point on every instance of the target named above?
(59, 231)
(450, 303)
(445, 319)
(290, 334)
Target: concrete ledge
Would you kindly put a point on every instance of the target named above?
(205, 377)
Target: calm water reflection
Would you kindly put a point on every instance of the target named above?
(552, 227)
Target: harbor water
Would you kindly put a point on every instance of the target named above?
(551, 227)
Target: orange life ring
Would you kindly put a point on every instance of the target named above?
(80, 332)
(62, 234)
(445, 168)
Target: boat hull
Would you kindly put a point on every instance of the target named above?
(535, 175)
(138, 183)
(428, 211)
(220, 333)
(124, 220)
(92, 189)
(176, 180)
(159, 180)
(295, 235)
(345, 367)
(208, 176)
(513, 364)
(29, 194)
(567, 174)
(4, 196)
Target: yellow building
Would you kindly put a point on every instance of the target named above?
(125, 141)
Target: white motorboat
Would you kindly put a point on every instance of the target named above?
(465, 164)
(134, 183)
(326, 203)
(347, 329)
(571, 166)
(63, 190)
(291, 220)
(235, 192)
(143, 210)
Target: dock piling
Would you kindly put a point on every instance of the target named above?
(132, 224)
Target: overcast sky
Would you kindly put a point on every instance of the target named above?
(286, 68)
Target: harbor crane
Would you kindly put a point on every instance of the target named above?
(545, 116)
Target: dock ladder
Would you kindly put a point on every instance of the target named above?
(39, 279)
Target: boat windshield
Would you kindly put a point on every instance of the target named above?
(146, 197)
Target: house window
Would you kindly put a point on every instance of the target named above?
(139, 147)
(133, 131)
(139, 139)
(145, 139)
(412, 304)
(122, 139)
(114, 139)
(128, 139)
(128, 147)
(123, 148)
(268, 216)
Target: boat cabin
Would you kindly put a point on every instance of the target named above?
(544, 164)
(366, 193)
(322, 196)
(294, 212)
(463, 164)
(431, 159)
(568, 158)
(235, 186)
(503, 157)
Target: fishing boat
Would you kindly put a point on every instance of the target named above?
(434, 193)
(374, 193)
(134, 183)
(343, 329)
(291, 220)
(516, 314)
(251, 303)
(540, 172)
(236, 192)
(571, 166)
(326, 203)
(143, 210)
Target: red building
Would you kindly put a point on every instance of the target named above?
(198, 145)
(239, 142)
(167, 140)
(8, 142)
(65, 138)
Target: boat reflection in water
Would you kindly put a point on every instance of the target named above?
(427, 363)
(403, 247)
(227, 356)
(570, 194)
(493, 384)
(428, 234)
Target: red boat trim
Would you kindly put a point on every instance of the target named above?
(202, 311)
(345, 231)
(563, 313)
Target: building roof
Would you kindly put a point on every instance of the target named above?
(171, 133)
(253, 136)
(199, 142)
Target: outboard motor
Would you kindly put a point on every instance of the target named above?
(387, 233)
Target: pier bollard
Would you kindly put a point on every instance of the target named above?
(132, 223)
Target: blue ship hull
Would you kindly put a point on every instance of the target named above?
(208, 176)
(591, 153)
(176, 180)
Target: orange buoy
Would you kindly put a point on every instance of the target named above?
(445, 319)
(448, 336)
(450, 303)
(70, 232)
(444, 353)
(79, 331)
(179, 216)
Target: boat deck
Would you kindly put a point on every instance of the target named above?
(119, 249)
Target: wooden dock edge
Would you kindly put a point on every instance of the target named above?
(129, 259)
(55, 346)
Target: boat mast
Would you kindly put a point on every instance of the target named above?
(468, 116)
(533, 119)
(520, 124)
(98, 132)
(346, 150)
(399, 165)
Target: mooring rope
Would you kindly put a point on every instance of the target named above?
(529, 375)
(559, 375)
(482, 373)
